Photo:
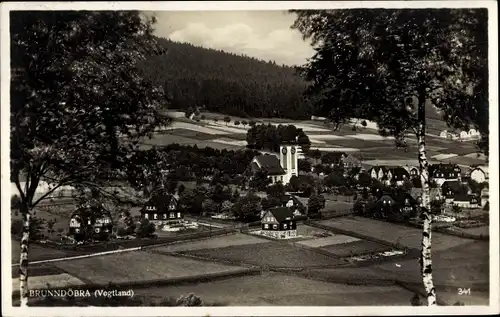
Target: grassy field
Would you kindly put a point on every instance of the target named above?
(237, 239)
(310, 232)
(37, 252)
(277, 289)
(464, 266)
(138, 266)
(359, 247)
(55, 281)
(268, 254)
(333, 240)
(407, 236)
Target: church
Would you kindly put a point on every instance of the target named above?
(278, 169)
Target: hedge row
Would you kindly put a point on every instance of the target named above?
(464, 234)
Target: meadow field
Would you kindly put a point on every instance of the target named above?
(365, 143)
(279, 289)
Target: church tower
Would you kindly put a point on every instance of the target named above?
(289, 162)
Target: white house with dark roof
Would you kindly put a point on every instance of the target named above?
(479, 174)
(278, 169)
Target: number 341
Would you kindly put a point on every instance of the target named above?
(464, 291)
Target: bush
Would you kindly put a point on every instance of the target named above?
(146, 229)
(16, 228)
(415, 300)
(15, 202)
(189, 301)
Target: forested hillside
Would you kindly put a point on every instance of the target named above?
(230, 84)
(227, 83)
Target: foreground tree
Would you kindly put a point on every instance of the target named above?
(389, 66)
(75, 102)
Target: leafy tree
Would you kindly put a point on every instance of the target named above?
(146, 229)
(275, 190)
(260, 181)
(304, 165)
(247, 208)
(181, 189)
(210, 207)
(252, 123)
(15, 202)
(236, 123)
(315, 203)
(203, 117)
(227, 119)
(79, 91)
(244, 123)
(226, 206)
(376, 65)
(270, 202)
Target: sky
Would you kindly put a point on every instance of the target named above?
(261, 34)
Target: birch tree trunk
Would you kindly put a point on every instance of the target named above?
(23, 261)
(425, 207)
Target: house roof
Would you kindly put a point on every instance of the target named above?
(270, 164)
(482, 168)
(463, 197)
(281, 213)
(399, 172)
(446, 169)
(160, 202)
(453, 185)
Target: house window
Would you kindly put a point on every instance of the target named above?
(285, 226)
(172, 215)
(281, 178)
(275, 226)
(171, 207)
(146, 216)
(178, 215)
(89, 222)
(77, 230)
(97, 230)
(155, 216)
(266, 226)
(164, 216)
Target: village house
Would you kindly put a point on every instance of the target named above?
(279, 223)
(412, 171)
(278, 169)
(440, 173)
(479, 174)
(389, 175)
(466, 201)
(402, 203)
(485, 195)
(91, 223)
(452, 188)
(162, 210)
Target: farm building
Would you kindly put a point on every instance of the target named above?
(440, 173)
(162, 209)
(278, 170)
(466, 201)
(279, 223)
(91, 221)
(412, 170)
(479, 174)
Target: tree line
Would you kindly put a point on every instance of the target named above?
(270, 137)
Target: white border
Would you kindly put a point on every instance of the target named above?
(7, 308)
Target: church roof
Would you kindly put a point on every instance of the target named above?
(269, 164)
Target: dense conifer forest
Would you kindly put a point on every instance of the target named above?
(217, 81)
(227, 83)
